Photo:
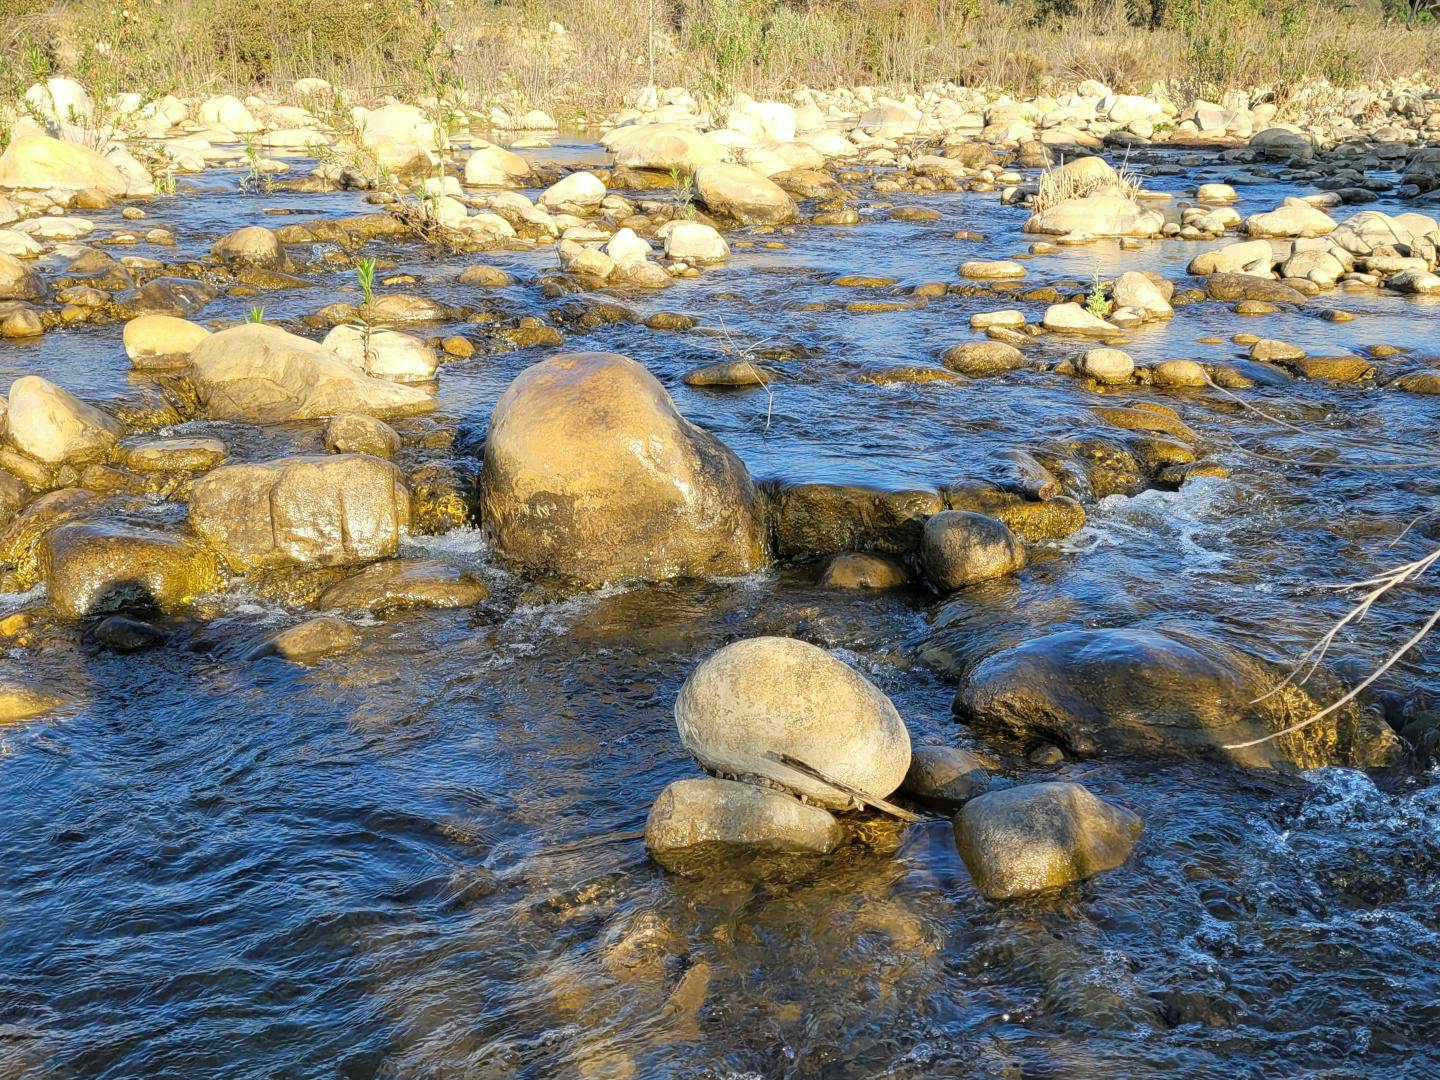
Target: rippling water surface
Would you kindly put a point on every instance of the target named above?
(423, 859)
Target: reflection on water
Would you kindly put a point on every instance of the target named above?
(423, 858)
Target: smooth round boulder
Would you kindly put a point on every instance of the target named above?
(862, 570)
(18, 281)
(693, 816)
(494, 166)
(694, 242)
(309, 641)
(959, 548)
(157, 342)
(54, 426)
(1110, 366)
(743, 195)
(38, 162)
(355, 433)
(764, 697)
(945, 775)
(384, 354)
(1025, 840)
(253, 247)
(592, 475)
(980, 358)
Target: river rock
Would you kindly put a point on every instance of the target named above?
(743, 195)
(1110, 366)
(1293, 217)
(945, 775)
(580, 189)
(981, 358)
(18, 281)
(263, 374)
(91, 567)
(36, 161)
(691, 815)
(1136, 291)
(309, 510)
(820, 519)
(158, 342)
(400, 584)
(862, 570)
(1141, 691)
(1024, 840)
(175, 454)
(694, 243)
(663, 147)
(355, 433)
(253, 247)
(25, 701)
(591, 474)
(960, 548)
(124, 634)
(1231, 287)
(384, 354)
(54, 426)
(1074, 319)
(1250, 257)
(494, 166)
(770, 695)
(1097, 215)
(309, 641)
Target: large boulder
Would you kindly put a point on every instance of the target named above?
(1256, 257)
(1231, 287)
(494, 166)
(400, 584)
(778, 696)
(1293, 217)
(310, 510)
(36, 161)
(663, 146)
(694, 242)
(1024, 840)
(1138, 691)
(1101, 214)
(161, 341)
(692, 817)
(591, 474)
(960, 548)
(743, 195)
(229, 112)
(262, 373)
(54, 426)
(254, 247)
(91, 567)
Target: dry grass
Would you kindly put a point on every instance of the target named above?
(508, 51)
(1058, 184)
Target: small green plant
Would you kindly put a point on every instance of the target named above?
(682, 188)
(1095, 302)
(164, 184)
(254, 180)
(255, 315)
(365, 317)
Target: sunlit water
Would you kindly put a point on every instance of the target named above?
(423, 859)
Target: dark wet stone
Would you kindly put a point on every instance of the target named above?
(124, 634)
(807, 520)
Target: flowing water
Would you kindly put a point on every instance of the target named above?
(424, 858)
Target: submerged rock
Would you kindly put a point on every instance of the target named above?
(309, 510)
(591, 474)
(124, 634)
(691, 815)
(24, 701)
(1138, 691)
(264, 374)
(398, 584)
(309, 641)
(1024, 840)
(770, 695)
(106, 566)
(859, 570)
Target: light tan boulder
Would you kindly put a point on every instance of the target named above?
(54, 426)
(743, 195)
(384, 354)
(18, 281)
(591, 474)
(91, 567)
(262, 373)
(1097, 215)
(157, 342)
(1024, 840)
(494, 166)
(1250, 257)
(25, 701)
(691, 816)
(38, 162)
(1293, 217)
(310, 510)
(400, 584)
(663, 147)
(770, 696)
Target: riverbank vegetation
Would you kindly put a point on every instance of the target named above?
(577, 55)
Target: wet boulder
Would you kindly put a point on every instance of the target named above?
(309, 641)
(1230, 287)
(743, 195)
(826, 519)
(309, 510)
(175, 454)
(693, 816)
(400, 584)
(591, 474)
(1255, 257)
(18, 281)
(1024, 840)
(124, 634)
(1141, 691)
(944, 775)
(264, 374)
(778, 696)
(981, 358)
(355, 433)
(383, 354)
(91, 567)
(36, 161)
(252, 247)
(694, 242)
(960, 548)
(861, 570)
(54, 426)
(25, 701)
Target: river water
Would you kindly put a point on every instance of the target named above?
(424, 858)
